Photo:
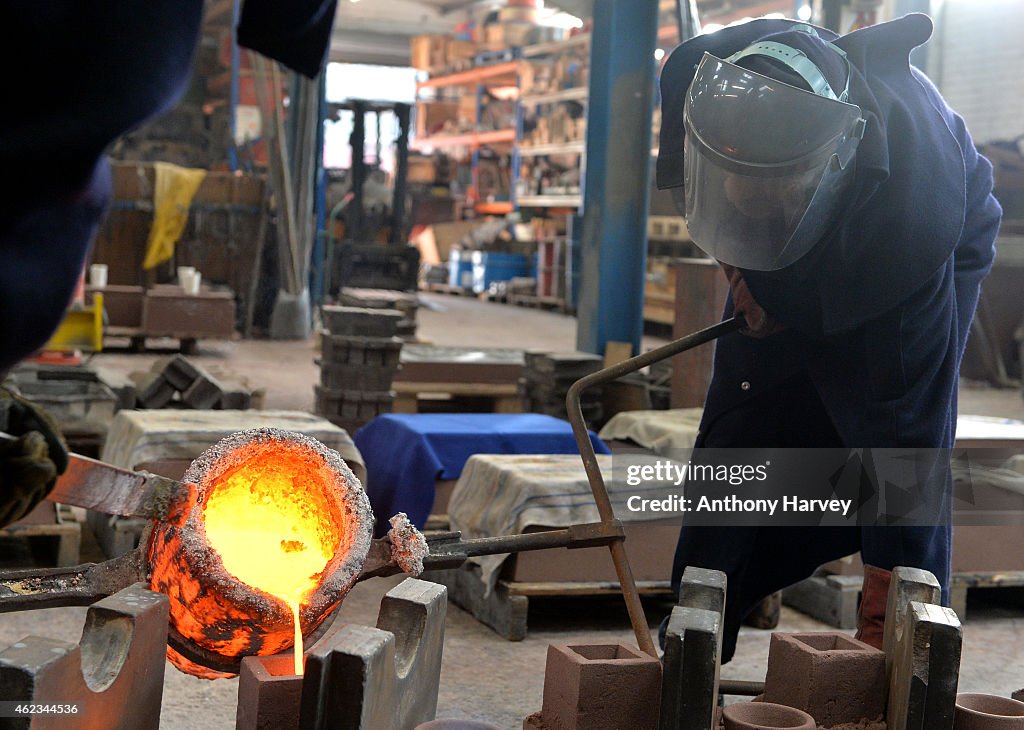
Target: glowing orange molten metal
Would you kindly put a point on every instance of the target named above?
(276, 538)
(271, 530)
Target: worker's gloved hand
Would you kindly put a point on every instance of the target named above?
(29, 465)
(759, 323)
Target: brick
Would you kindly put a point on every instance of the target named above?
(601, 687)
(356, 377)
(829, 675)
(203, 393)
(269, 693)
(385, 678)
(361, 321)
(154, 391)
(235, 400)
(178, 371)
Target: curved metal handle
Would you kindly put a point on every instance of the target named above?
(597, 485)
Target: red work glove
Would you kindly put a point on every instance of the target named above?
(760, 324)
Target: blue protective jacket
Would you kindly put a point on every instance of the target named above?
(878, 313)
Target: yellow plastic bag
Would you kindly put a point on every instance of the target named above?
(172, 196)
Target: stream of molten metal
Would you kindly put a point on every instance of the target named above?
(274, 531)
(298, 651)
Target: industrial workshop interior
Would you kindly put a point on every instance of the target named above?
(499, 364)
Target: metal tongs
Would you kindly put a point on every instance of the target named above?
(102, 487)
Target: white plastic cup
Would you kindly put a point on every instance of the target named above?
(192, 283)
(98, 275)
(184, 272)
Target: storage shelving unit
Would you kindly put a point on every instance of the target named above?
(558, 59)
(565, 88)
(477, 81)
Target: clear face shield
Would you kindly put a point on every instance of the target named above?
(766, 165)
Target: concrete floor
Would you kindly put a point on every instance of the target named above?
(483, 676)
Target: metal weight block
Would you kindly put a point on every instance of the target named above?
(925, 669)
(385, 678)
(693, 653)
(113, 678)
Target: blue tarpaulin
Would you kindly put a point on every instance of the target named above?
(406, 454)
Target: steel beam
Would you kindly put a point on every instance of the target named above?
(617, 192)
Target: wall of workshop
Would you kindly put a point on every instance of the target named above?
(975, 58)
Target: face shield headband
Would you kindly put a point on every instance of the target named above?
(766, 164)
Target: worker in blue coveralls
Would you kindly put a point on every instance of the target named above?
(854, 220)
(88, 73)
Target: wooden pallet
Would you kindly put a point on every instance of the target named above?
(449, 289)
(187, 344)
(505, 396)
(833, 599)
(963, 582)
(505, 608)
(535, 302)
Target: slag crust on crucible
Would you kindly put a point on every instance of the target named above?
(408, 546)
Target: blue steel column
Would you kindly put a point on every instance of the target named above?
(616, 195)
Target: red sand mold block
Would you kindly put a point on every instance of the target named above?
(831, 676)
(598, 687)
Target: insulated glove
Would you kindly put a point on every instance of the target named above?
(29, 466)
(760, 324)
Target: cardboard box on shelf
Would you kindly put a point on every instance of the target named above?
(431, 116)
(428, 52)
(459, 52)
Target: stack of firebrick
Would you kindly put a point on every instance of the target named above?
(359, 355)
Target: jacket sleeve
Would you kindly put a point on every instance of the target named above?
(975, 250)
(297, 33)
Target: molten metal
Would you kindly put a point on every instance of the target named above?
(276, 538)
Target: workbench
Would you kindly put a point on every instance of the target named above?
(166, 310)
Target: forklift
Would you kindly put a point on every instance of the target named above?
(367, 237)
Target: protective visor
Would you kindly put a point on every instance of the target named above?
(766, 165)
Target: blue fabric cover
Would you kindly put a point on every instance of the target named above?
(406, 454)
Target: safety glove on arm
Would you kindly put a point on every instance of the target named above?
(29, 465)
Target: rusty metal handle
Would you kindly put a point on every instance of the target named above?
(597, 485)
(449, 550)
(81, 585)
